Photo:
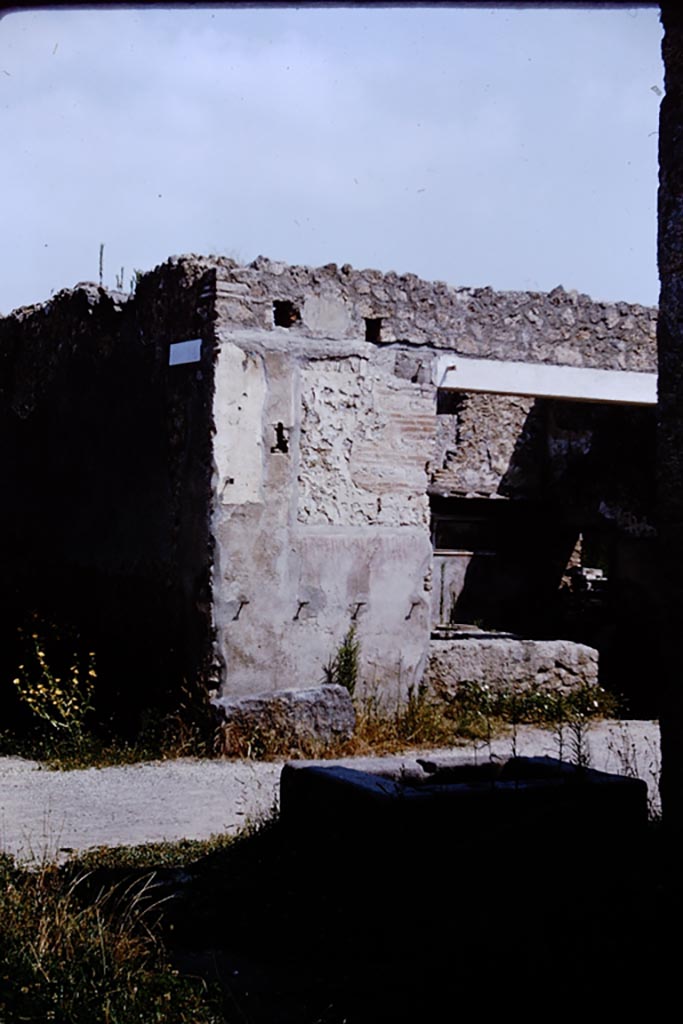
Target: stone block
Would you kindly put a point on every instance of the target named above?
(504, 663)
(530, 822)
(280, 720)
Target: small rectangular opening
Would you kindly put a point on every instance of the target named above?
(373, 329)
(281, 441)
(285, 313)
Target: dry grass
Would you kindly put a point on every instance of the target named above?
(418, 721)
(423, 720)
(475, 713)
(65, 959)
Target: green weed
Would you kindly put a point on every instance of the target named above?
(342, 669)
(534, 704)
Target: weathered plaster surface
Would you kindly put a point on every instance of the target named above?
(338, 533)
(238, 445)
(364, 435)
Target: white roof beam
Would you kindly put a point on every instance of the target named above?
(545, 380)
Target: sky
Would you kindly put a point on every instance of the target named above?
(513, 148)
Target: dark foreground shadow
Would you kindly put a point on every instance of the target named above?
(356, 933)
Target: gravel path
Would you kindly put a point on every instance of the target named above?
(48, 814)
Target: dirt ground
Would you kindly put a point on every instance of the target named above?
(48, 814)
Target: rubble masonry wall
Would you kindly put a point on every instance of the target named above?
(275, 493)
(334, 531)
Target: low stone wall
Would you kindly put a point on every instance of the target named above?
(504, 663)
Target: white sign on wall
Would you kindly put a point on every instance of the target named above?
(185, 352)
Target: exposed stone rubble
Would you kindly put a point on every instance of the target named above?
(557, 327)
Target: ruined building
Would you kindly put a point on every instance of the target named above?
(217, 476)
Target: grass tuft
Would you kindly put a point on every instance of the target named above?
(81, 960)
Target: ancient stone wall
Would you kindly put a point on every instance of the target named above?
(488, 445)
(595, 459)
(344, 466)
(234, 516)
(321, 517)
(559, 327)
(105, 451)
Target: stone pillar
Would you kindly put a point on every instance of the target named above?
(670, 415)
